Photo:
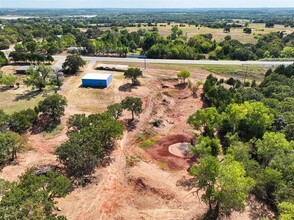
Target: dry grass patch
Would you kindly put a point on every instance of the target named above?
(218, 34)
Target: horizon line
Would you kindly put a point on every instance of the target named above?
(282, 7)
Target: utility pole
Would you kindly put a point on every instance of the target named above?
(145, 63)
(246, 74)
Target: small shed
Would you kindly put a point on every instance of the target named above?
(97, 80)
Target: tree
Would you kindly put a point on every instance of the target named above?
(271, 145)
(8, 80)
(4, 121)
(80, 154)
(286, 211)
(175, 32)
(225, 184)
(183, 75)
(250, 119)
(287, 52)
(150, 39)
(132, 104)
(205, 174)
(72, 64)
(38, 76)
(206, 121)
(31, 46)
(77, 121)
(32, 197)
(269, 24)
(115, 110)
(89, 143)
(57, 79)
(227, 29)
(247, 30)
(4, 45)
(21, 121)
(10, 143)
(53, 106)
(3, 59)
(268, 182)
(206, 146)
(234, 114)
(243, 54)
(234, 187)
(133, 74)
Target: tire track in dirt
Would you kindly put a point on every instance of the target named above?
(116, 170)
(102, 200)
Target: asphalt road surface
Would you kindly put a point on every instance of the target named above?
(60, 60)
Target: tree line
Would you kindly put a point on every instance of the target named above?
(36, 42)
(252, 126)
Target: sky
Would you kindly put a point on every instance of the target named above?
(145, 3)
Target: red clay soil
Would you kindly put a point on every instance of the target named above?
(161, 153)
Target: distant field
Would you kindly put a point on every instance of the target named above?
(218, 34)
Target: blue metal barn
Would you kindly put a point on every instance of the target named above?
(97, 80)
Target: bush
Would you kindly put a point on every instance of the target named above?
(147, 143)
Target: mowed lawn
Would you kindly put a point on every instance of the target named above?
(218, 34)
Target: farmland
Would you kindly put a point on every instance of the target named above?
(258, 29)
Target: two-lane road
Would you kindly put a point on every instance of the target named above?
(61, 58)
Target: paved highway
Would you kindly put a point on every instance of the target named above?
(61, 58)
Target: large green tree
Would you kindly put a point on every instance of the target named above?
(133, 104)
(206, 121)
(89, 143)
(72, 64)
(133, 74)
(38, 76)
(21, 121)
(115, 110)
(10, 143)
(225, 184)
(53, 106)
(271, 145)
(32, 197)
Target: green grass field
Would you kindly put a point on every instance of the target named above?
(13, 100)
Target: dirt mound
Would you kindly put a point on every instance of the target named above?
(160, 151)
(141, 186)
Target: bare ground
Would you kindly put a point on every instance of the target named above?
(153, 188)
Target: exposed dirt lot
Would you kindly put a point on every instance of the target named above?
(158, 185)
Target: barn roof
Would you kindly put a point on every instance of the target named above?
(97, 76)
